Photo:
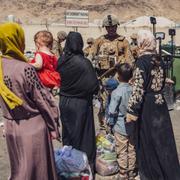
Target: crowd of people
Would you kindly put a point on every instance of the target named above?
(133, 106)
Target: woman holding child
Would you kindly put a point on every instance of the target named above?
(30, 114)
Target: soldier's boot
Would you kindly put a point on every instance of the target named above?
(123, 175)
(133, 174)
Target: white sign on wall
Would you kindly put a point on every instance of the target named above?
(77, 18)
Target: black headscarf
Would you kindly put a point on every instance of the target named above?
(74, 43)
(77, 73)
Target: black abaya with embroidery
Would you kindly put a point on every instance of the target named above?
(156, 149)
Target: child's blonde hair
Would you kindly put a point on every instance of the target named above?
(44, 38)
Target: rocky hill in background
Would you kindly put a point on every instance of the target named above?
(38, 11)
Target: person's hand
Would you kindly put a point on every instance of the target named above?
(3, 132)
(130, 117)
(53, 135)
(131, 81)
(169, 81)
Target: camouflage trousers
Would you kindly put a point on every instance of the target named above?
(101, 113)
(126, 156)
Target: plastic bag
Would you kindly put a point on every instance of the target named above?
(85, 175)
(105, 142)
(105, 168)
(70, 160)
(106, 160)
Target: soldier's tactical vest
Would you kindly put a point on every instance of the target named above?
(110, 52)
(88, 52)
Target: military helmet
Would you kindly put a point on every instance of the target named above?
(110, 20)
(61, 35)
(90, 40)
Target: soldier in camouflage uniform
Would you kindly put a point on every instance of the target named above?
(57, 48)
(88, 51)
(111, 48)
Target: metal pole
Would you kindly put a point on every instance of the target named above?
(46, 24)
(172, 33)
(172, 45)
(160, 47)
(172, 52)
(154, 29)
(75, 29)
(153, 22)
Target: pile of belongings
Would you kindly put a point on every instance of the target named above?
(106, 159)
(72, 164)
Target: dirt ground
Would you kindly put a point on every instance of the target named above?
(4, 161)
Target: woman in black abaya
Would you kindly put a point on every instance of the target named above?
(79, 83)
